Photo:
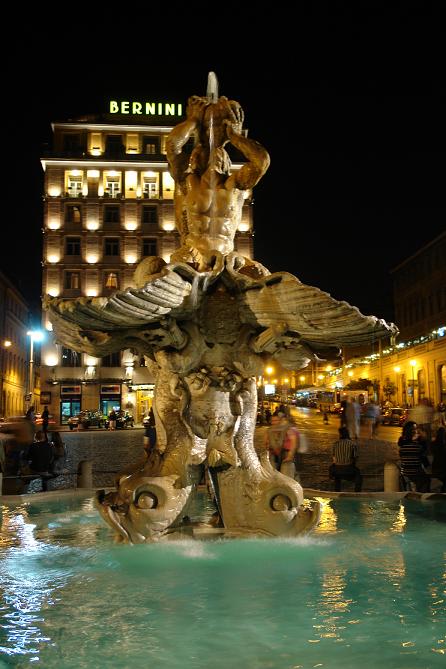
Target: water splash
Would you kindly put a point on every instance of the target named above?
(212, 89)
(212, 96)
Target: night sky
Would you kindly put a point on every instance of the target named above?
(348, 99)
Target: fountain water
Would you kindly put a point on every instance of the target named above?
(212, 89)
(361, 589)
(208, 321)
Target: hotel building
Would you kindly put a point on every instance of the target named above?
(108, 203)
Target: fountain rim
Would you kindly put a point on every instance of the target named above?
(309, 493)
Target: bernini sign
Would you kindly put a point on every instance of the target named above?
(145, 108)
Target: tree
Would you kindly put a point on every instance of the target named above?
(389, 389)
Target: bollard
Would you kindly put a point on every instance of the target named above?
(391, 477)
(85, 474)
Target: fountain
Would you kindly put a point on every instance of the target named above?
(208, 321)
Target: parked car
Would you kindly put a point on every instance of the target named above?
(393, 416)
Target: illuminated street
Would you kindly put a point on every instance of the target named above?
(111, 452)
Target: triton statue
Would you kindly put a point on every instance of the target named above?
(207, 322)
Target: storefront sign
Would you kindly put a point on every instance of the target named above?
(45, 397)
(145, 108)
(111, 390)
(70, 390)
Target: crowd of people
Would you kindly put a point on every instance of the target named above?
(421, 446)
(27, 452)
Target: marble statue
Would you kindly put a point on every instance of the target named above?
(207, 322)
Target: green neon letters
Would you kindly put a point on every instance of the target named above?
(145, 108)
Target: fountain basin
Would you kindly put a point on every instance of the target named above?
(367, 583)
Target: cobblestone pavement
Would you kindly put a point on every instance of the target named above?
(316, 443)
(112, 451)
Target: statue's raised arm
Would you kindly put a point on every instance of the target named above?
(209, 196)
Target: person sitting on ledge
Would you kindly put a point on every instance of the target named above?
(413, 457)
(41, 459)
(345, 454)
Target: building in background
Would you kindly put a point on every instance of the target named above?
(419, 290)
(108, 199)
(413, 368)
(14, 351)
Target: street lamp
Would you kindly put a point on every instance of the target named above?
(413, 364)
(35, 336)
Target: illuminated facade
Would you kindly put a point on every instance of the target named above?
(14, 320)
(108, 199)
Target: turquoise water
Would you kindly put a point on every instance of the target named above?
(366, 589)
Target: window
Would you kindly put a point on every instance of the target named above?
(70, 358)
(72, 143)
(111, 280)
(112, 360)
(112, 213)
(114, 146)
(150, 187)
(149, 215)
(74, 185)
(113, 185)
(73, 213)
(111, 246)
(148, 247)
(151, 144)
(73, 246)
(72, 280)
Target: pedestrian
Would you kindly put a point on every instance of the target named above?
(112, 417)
(268, 415)
(59, 450)
(45, 420)
(371, 415)
(413, 457)
(423, 414)
(30, 414)
(344, 455)
(324, 413)
(282, 442)
(352, 417)
(41, 459)
(439, 457)
(342, 414)
(275, 418)
(150, 433)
